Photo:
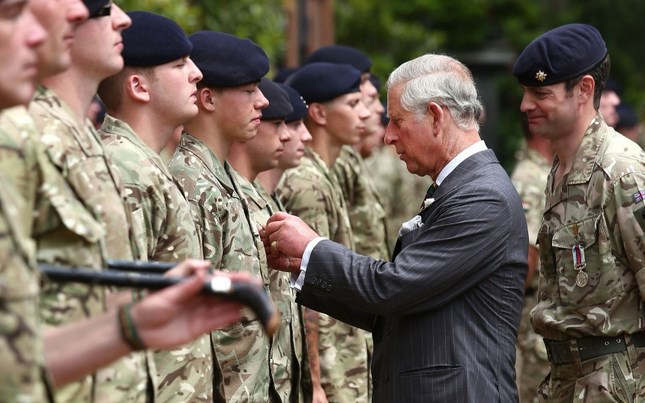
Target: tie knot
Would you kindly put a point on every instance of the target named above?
(431, 190)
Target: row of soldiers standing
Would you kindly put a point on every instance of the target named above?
(250, 147)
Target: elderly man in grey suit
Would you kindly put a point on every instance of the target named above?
(445, 310)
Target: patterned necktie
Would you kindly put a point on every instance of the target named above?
(429, 194)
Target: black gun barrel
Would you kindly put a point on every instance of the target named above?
(139, 266)
(253, 296)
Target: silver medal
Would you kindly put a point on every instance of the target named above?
(582, 279)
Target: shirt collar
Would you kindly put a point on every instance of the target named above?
(454, 163)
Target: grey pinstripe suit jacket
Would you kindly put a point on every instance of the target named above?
(444, 313)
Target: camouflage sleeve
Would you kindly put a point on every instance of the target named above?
(21, 347)
(346, 175)
(209, 228)
(533, 201)
(626, 221)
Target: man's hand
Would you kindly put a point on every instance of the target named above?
(285, 238)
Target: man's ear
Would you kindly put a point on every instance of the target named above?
(137, 88)
(438, 115)
(587, 85)
(206, 99)
(317, 113)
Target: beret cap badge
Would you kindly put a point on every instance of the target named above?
(540, 76)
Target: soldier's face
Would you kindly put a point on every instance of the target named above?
(59, 18)
(173, 90)
(97, 45)
(609, 100)
(345, 118)
(238, 111)
(552, 111)
(268, 145)
(294, 148)
(20, 35)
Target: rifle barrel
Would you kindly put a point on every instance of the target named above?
(254, 296)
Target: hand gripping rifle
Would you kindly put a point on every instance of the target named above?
(252, 295)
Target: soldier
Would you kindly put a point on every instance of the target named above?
(76, 350)
(292, 152)
(230, 106)
(146, 101)
(71, 144)
(529, 178)
(21, 347)
(337, 352)
(249, 158)
(590, 297)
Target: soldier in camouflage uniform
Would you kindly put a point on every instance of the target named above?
(134, 132)
(21, 348)
(335, 117)
(590, 297)
(260, 154)
(230, 105)
(292, 151)
(74, 148)
(529, 178)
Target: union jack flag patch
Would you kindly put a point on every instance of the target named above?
(639, 196)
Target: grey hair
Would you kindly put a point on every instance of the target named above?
(440, 79)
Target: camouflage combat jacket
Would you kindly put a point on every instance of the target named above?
(366, 212)
(228, 242)
(77, 154)
(286, 365)
(22, 359)
(311, 192)
(164, 229)
(305, 393)
(592, 274)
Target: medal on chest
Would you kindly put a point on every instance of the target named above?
(579, 263)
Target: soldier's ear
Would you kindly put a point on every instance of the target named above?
(137, 88)
(317, 113)
(205, 99)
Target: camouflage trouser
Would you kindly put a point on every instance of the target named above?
(609, 378)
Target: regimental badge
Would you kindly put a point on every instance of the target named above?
(540, 76)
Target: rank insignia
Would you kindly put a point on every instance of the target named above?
(540, 76)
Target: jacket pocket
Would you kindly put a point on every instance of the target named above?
(586, 269)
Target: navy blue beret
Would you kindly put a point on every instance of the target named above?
(284, 73)
(94, 6)
(627, 117)
(226, 60)
(341, 54)
(376, 82)
(279, 105)
(153, 39)
(561, 54)
(297, 103)
(322, 82)
(613, 85)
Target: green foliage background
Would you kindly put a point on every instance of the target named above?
(393, 31)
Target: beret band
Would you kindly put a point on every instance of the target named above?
(93, 6)
(561, 54)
